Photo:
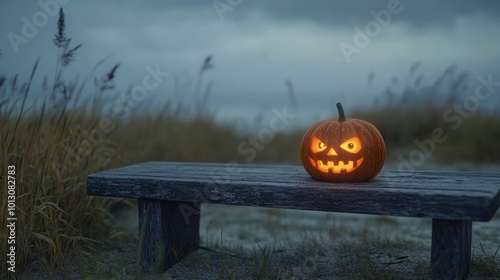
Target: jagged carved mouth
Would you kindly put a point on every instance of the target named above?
(336, 167)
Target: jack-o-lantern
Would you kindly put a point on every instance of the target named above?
(342, 150)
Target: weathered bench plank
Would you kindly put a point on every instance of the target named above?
(169, 194)
(438, 195)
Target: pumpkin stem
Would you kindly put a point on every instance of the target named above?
(341, 113)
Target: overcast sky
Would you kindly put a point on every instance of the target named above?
(256, 45)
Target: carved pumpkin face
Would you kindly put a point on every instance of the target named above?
(342, 150)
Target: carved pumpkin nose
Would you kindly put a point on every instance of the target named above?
(332, 152)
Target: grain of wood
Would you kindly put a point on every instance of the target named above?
(451, 249)
(473, 196)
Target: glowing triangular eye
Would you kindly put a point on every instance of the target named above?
(352, 145)
(316, 145)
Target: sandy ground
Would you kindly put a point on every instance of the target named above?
(315, 245)
(263, 243)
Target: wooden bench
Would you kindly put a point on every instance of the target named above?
(169, 195)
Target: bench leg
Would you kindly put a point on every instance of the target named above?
(165, 236)
(451, 249)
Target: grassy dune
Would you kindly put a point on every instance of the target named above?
(410, 111)
(61, 139)
(476, 139)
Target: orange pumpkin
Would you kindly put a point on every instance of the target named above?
(342, 150)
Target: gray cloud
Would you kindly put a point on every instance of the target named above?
(261, 43)
(419, 13)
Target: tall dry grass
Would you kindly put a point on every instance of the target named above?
(42, 138)
(53, 212)
(412, 110)
(47, 138)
